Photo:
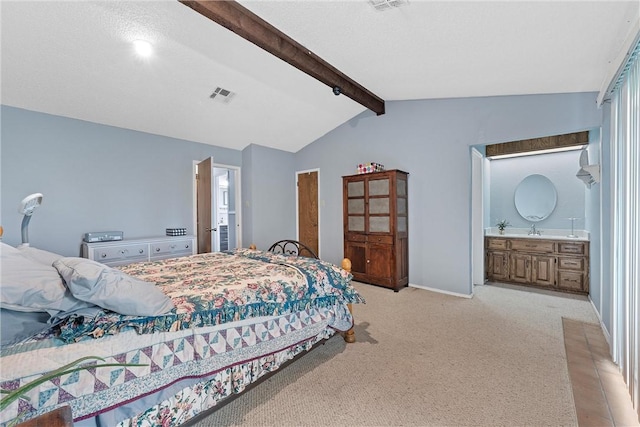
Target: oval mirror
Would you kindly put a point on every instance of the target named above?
(535, 198)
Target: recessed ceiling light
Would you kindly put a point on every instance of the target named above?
(143, 48)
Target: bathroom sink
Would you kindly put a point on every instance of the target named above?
(550, 234)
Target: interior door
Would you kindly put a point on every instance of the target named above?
(308, 209)
(205, 219)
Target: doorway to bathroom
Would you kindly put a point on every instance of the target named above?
(217, 211)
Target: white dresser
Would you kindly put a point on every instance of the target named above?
(136, 250)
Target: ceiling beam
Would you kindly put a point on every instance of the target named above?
(251, 27)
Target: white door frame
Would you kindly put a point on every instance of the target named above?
(238, 194)
(477, 218)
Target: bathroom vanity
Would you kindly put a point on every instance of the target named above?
(552, 262)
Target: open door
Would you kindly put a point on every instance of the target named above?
(308, 213)
(205, 224)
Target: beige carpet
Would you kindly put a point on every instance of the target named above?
(424, 358)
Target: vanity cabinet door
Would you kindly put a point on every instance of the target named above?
(544, 270)
(497, 266)
(520, 268)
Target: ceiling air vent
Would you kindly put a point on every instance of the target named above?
(222, 95)
(387, 4)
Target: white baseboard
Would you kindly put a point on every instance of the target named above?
(605, 332)
(426, 288)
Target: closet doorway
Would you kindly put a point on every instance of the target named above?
(217, 218)
(308, 215)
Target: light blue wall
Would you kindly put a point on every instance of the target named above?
(98, 177)
(269, 195)
(95, 178)
(430, 139)
(560, 168)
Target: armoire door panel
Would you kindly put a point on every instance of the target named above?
(381, 261)
(357, 253)
(379, 187)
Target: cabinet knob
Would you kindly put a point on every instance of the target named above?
(141, 251)
(368, 261)
(186, 246)
(103, 255)
(157, 249)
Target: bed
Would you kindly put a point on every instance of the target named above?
(176, 338)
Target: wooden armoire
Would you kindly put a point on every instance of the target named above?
(376, 227)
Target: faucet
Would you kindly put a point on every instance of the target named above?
(533, 231)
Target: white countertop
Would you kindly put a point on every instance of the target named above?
(552, 234)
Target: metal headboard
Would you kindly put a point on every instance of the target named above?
(292, 247)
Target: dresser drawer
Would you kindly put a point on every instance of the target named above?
(572, 248)
(499, 244)
(139, 250)
(129, 253)
(356, 237)
(530, 245)
(387, 240)
(569, 263)
(171, 248)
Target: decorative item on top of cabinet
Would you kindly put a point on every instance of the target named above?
(553, 264)
(376, 227)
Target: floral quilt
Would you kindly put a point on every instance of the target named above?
(220, 287)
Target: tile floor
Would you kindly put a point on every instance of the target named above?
(600, 394)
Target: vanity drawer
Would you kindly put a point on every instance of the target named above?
(499, 244)
(387, 240)
(530, 245)
(568, 263)
(572, 248)
(571, 280)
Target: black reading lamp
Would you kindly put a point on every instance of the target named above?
(26, 208)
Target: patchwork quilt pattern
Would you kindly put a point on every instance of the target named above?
(196, 355)
(222, 287)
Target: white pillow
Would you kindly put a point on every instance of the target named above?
(112, 289)
(27, 285)
(39, 255)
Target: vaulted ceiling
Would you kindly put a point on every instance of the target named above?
(76, 59)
